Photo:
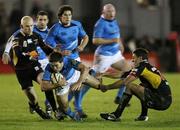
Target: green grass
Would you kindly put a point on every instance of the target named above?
(14, 114)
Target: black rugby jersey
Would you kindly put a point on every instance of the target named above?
(23, 44)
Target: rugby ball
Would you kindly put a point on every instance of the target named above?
(56, 77)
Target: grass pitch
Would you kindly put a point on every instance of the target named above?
(14, 114)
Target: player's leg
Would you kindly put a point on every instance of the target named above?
(119, 94)
(33, 103)
(132, 89)
(82, 93)
(49, 94)
(124, 66)
(62, 99)
(48, 107)
(25, 79)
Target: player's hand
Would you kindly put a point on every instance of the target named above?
(103, 88)
(80, 48)
(99, 75)
(5, 58)
(76, 86)
(62, 82)
(65, 52)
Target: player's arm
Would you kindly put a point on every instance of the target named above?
(49, 82)
(17, 49)
(5, 56)
(114, 75)
(31, 55)
(46, 48)
(83, 43)
(99, 41)
(85, 77)
(116, 85)
(121, 46)
(84, 73)
(48, 85)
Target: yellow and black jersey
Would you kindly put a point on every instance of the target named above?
(149, 75)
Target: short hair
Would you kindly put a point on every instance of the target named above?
(55, 57)
(25, 19)
(141, 52)
(64, 8)
(42, 13)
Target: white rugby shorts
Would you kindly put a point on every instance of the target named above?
(102, 62)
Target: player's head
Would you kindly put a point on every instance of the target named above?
(42, 19)
(27, 25)
(65, 14)
(139, 55)
(109, 12)
(56, 61)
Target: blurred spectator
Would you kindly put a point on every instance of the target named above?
(3, 20)
(50, 14)
(148, 42)
(15, 17)
(36, 7)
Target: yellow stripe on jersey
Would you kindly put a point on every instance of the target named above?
(153, 78)
(15, 58)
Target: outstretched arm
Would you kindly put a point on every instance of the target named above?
(119, 83)
(84, 73)
(46, 48)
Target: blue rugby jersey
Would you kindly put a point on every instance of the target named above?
(43, 34)
(107, 29)
(67, 71)
(66, 37)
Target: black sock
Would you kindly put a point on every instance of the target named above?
(144, 109)
(124, 101)
(34, 106)
(50, 97)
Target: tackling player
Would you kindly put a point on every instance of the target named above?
(153, 91)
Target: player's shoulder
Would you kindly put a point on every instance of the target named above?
(36, 35)
(100, 22)
(75, 22)
(16, 33)
(55, 27)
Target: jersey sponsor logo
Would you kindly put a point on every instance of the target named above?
(153, 69)
(29, 41)
(25, 44)
(36, 68)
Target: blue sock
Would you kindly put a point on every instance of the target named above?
(79, 97)
(77, 103)
(70, 96)
(70, 113)
(121, 91)
(83, 92)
